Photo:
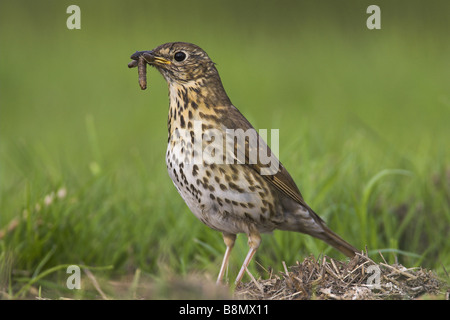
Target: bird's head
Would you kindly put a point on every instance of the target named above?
(179, 62)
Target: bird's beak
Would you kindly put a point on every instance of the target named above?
(150, 58)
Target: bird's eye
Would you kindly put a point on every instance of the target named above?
(180, 56)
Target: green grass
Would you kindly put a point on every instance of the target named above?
(363, 118)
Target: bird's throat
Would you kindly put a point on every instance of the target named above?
(195, 101)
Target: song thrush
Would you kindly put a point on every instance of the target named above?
(229, 196)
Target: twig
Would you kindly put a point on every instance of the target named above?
(379, 252)
(285, 268)
(254, 281)
(335, 268)
(262, 267)
(406, 274)
(351, 272)
(95, 283)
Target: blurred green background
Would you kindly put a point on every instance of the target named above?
(363, 118)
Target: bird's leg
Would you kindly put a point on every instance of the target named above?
(254, 240)
(229, 240)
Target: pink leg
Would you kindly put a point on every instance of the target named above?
(254, 240)
(229, 240)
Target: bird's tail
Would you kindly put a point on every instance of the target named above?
(305, 220)
(327, 235)
(336, 241)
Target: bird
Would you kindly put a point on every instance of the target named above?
(221, 181)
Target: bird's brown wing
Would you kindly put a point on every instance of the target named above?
(281, 180)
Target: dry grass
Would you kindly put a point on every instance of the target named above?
(321, 278)
(358, 279)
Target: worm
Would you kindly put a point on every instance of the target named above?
(142, 69)
(133, 64)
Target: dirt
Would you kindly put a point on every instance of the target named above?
(358, 279)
